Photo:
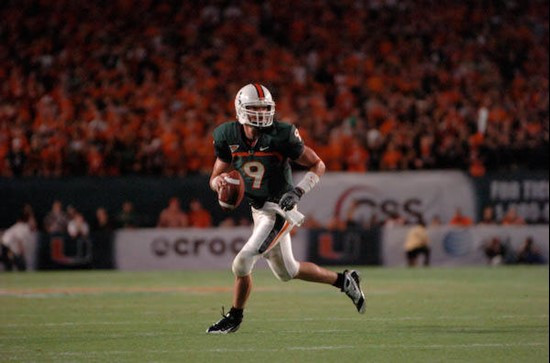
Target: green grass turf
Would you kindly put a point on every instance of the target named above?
(464, 314)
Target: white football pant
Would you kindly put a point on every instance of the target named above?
(269, 229)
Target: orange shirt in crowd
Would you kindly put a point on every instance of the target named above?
(200, 219)
(460, 220)
(391, 159)
(317, 89)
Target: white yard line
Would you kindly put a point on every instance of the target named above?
(389, 319)
(362, 347)
(405, 318)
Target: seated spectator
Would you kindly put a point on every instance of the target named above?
(488, 217)
(311, 223)
(56, 220)
(78, 227)
(244, 222)
(495, 251)
(27, 209)
(394, 219)
(338, 224)
(355, 219)
(512, 218)
(529, 253)
(102, 221)
(71, 212)
(460, 220)
(436, 221)
(417, 243)
(127, 218)
(198, 216)
(227, 223)
(172, 216)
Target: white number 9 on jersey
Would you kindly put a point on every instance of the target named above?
(256, 171)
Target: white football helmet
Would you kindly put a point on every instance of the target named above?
(251, 97)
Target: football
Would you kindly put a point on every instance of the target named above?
(231, 195)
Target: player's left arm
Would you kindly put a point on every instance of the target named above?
(312, 161)
(316, 166)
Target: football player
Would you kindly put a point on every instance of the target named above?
(260, 148)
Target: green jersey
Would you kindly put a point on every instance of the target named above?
(264, 166)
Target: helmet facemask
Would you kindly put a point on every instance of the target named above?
(257, 114)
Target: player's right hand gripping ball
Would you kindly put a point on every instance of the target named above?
(231, 194)
(290, 199)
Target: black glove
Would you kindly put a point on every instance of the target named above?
(290, 199)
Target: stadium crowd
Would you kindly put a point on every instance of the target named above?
(116, 87)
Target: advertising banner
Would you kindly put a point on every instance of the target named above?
(353, 246)
(59, 251)
(451, 246)
(376, 196)
(190, 248)
(526, 192)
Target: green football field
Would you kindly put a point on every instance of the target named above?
(464, 314)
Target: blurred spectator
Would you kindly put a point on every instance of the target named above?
(391, 160)
(460, 219)
(310, 222)
(138, 89)
(127, 218)
(436, 221)
(394, 219)
(529, 253)
(16, 158)
(230, 222)
(71, 212)
(198, 216)
(56, 220)
(496, 252)
(512, 218)
(227, 222)
(13, 243)
(78, 227)
(102, 220)
(477, 168)
(244, 222)
(172, 216)
(28, 210)
(417, 244)
(356, 219)
(488, 217)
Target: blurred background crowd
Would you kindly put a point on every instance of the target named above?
(62, 218)
(119, 87)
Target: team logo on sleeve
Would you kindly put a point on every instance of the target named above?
(233, 148)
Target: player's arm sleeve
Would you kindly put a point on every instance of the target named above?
(295, 145)
(221, 148)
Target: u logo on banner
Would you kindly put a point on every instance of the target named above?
(350, 246)
(326, 247)
(57, 251)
